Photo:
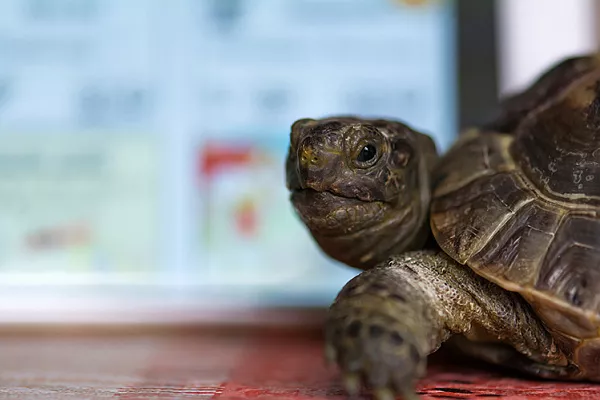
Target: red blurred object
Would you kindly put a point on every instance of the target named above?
(217, 156)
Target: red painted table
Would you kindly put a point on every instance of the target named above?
(221, 365)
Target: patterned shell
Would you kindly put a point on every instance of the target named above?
(519, 203)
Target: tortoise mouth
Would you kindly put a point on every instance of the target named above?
(331, 214)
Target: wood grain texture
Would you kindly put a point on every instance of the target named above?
(225, 366)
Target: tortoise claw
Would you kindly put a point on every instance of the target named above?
(381, 357)
(330, 355)
(352, 384)
(384, 394)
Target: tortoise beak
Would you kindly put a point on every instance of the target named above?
(316, 166)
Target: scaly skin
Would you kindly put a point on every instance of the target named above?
(362, 188)
(386, 321)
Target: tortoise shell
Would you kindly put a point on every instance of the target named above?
(519, 203)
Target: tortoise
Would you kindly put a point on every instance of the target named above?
(492, 247)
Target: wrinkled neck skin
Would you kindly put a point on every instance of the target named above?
(385, 229)
(402, 228)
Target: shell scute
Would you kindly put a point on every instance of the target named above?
(468, 209)
(517, 250)
(506, 229)
(588, 355)
(571, 269)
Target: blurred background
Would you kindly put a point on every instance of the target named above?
(142, 144)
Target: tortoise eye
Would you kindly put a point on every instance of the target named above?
(367, 153)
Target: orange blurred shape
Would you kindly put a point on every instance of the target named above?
(59, 237)
(246, 218)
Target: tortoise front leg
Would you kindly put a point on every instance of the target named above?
(385, 321)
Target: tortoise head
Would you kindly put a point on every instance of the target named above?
(360, 186)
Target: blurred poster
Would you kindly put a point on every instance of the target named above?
(263, 64)
(250, 235)
(79, 171)
(82, 63)
(144, 142)
(78, 208)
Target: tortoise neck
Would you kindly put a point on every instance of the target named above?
(428, 163)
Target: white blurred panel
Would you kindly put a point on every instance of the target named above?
(533, 34)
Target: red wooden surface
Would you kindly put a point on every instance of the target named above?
(223, 366)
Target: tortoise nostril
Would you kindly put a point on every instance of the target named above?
(307, 153)
(305, 158)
